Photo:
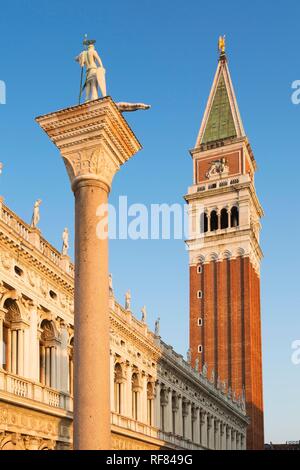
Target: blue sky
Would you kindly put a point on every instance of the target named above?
(164, 53)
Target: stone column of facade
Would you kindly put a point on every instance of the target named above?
(14, 352)
(29, 352)
(128, 392)
(94, 140)
(144, 402)
(228, 438)
(112, 381)
(223, 436)
(47, 371)
(168, 412)
(203, 424)
(2, 315)
(238, 441)
(43, 365)
(188, 421)
(211, 428)
(64, 359)
(20, 341)
(179, 430)
(233, 439)
(8, 353)
(218, 437)
(243, 442)
(53, 366)
(157, 405)
(196, 425)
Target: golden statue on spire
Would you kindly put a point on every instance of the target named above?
(222, 44)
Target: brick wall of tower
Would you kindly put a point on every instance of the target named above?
(231, 332)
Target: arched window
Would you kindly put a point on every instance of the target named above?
(224, 219)
(234, 219)
(13, 339)
(71, 366)
(203, 222)
(135, 395)
(48, 355)
(214, 221)
(118, 388)
(150, 398)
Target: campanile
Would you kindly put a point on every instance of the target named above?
(225, 254)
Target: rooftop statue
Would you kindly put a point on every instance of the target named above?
(65, 238)
(36, 213)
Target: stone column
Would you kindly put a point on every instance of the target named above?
(157, 406)
(218, 435)
(211, 429)
(14, 352)
(2, 315)
(20, 340)
(233, 439)
(94, 140)
(223, 436)
(228, 438)
(8, 352)
(189, 422)
(53, 378)
(144, 401)
(29, 353)
(63, 369)
(238, 441)
(168, 412)
(179, 430)
(47, 382)
(196, 425)
(203, 424)
(112, 384)
(43, 365)
(128, 392)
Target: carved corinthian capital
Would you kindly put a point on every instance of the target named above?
(94, 139)
(91, 163)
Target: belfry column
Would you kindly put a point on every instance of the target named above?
(94, 140)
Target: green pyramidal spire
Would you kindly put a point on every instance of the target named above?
(222, 119)
(220, 124)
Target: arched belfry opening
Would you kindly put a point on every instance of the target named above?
(234, 222)
(224, 219)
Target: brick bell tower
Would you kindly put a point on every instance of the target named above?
(225, 254)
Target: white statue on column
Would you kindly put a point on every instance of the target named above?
(36, 213)
(128, 300)
(95, 75)
(65, 238)
(144, 314)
